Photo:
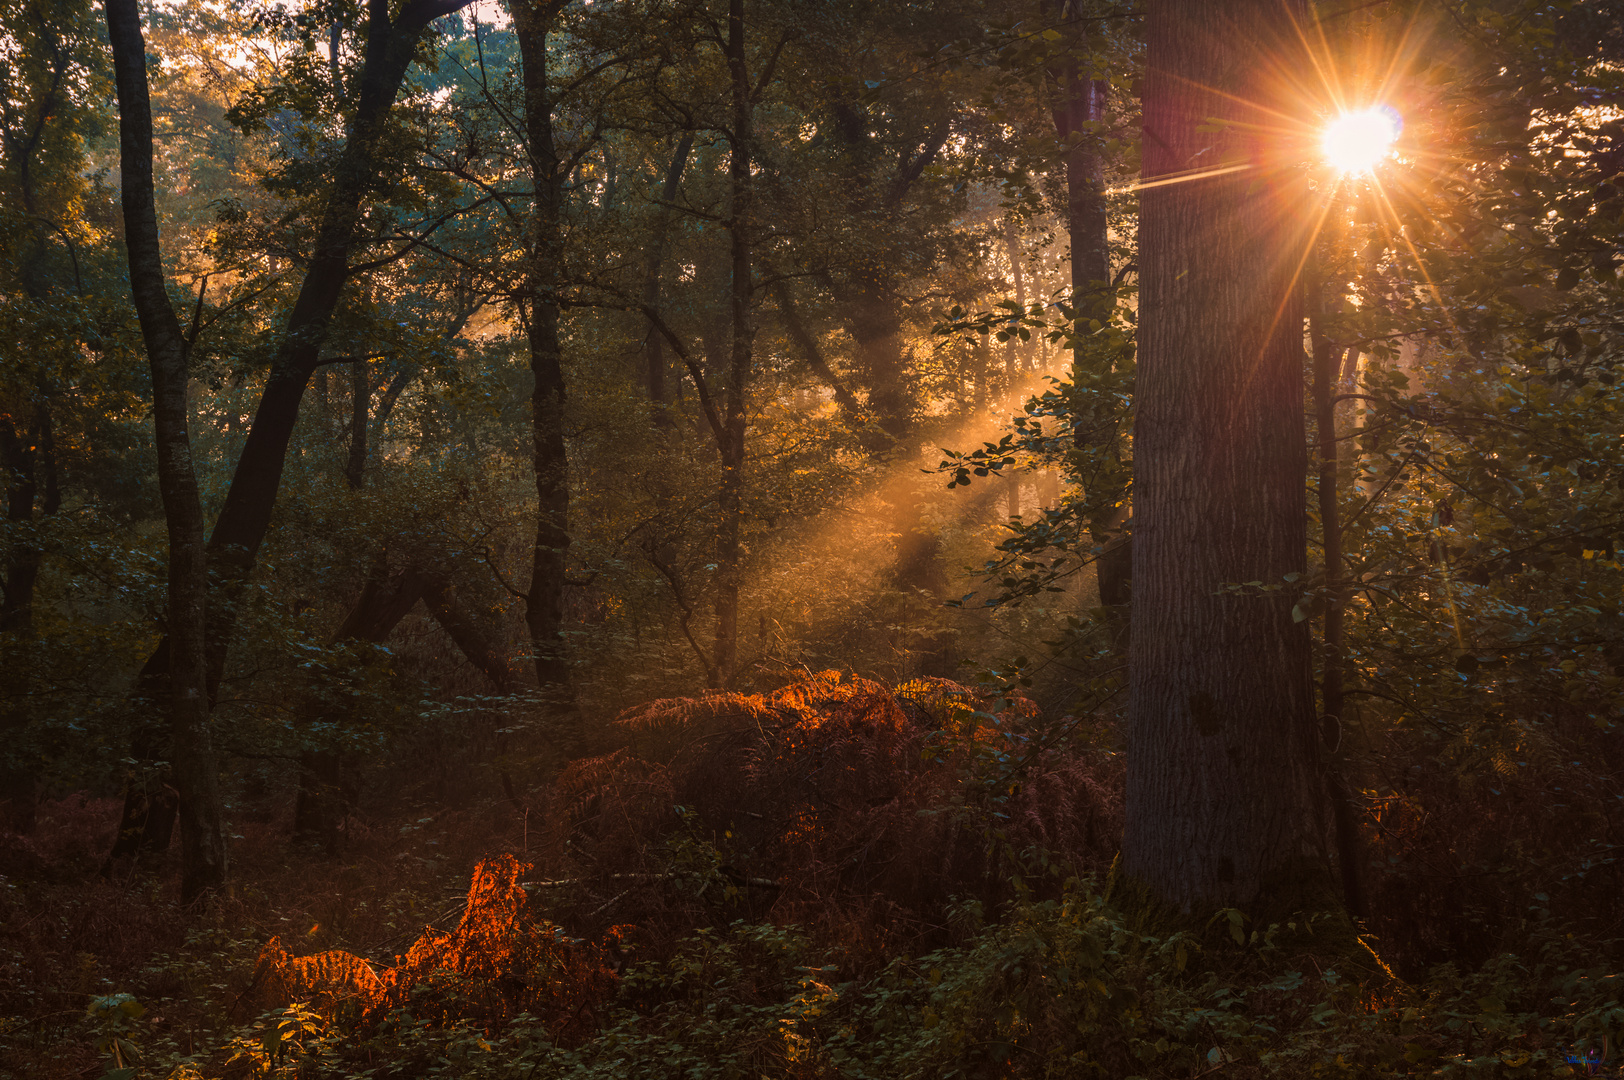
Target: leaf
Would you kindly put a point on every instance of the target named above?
(1415, 1053)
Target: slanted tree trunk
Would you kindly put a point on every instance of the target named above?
(544, 604)
(319, 807)
(480, 644)
(789, 315)
(203, 850)
(1223, 803)
(246, 512)
(239, 530)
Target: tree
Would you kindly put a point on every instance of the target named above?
(203, 851)
(539, 314)
(1079, 112)
(1222, 800)
(392, 44)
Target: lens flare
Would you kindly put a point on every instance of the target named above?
(1356, 142)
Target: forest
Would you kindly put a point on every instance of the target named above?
(722, 539)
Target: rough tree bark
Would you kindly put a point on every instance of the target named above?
(203, 850)
(1222, 797)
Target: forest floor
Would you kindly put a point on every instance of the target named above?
(69, 935)
(838, 879)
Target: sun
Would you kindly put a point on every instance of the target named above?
(1356, 142)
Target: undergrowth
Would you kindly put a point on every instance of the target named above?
(1054, 987)
(838, 879)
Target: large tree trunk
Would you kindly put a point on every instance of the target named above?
(203, 850)
(544, 605)
(1222, 805)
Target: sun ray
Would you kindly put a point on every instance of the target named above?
(1420, 264)
(1178, 178)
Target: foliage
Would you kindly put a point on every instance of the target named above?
(1068, 985)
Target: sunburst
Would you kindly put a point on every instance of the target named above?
(1356, 142)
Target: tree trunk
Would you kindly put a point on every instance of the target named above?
(320, 804)
(544, 604)
(1081, 104)
(1013, 352)
(246, 512)
(203, 851)
(250, 499)
(874, 317)
(360, 404)
(480, 647)
(804, 340)
(659, 394)
(1222, 805)
(27, 459)
(730, 498)
(1327, 372)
